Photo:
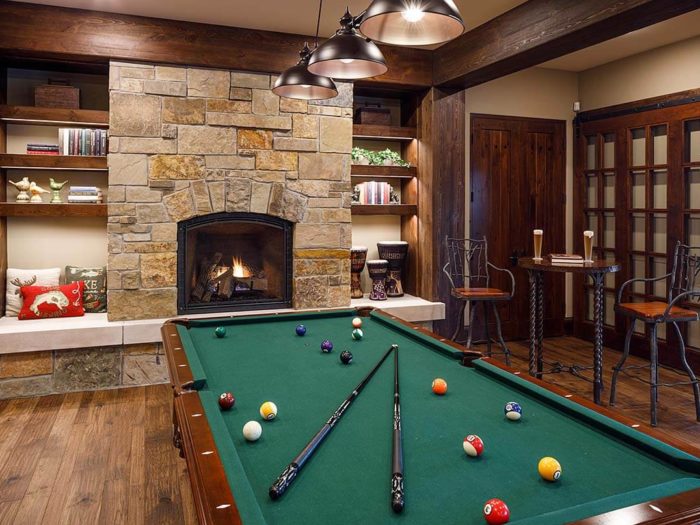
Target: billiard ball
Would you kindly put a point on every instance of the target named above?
(268, 410)
(252, 431)
(439, 386)
(226, 401)
(357, 334)
(301, 330)
(473, 445)
(549, 469)
(513, 411)
(345, 357)
(357, 322)
(496, 512)
(326, 346)
(220, 331)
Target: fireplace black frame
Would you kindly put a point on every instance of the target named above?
(183, 227)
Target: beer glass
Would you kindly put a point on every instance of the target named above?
(537, 235)
(588, 246)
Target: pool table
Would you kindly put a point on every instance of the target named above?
(615, 471)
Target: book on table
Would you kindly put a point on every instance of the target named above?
(565, 258)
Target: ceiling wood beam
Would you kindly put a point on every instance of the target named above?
(541, 30)
(31, 30)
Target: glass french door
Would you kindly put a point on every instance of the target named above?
(637, 187)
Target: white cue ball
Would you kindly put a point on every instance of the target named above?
(252, 430)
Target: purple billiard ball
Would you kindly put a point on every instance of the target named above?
(326, 346)
(301, 330)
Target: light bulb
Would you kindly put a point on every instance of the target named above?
(347, 60)
(413, 14)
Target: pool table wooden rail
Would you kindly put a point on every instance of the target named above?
(216, 505)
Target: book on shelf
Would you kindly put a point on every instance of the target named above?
(373, 192)
(565, 258)
(84, 194)
(82, 141)
(85, 199)
(42, 149)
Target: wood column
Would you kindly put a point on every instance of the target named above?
(441, 207)
(3, 191)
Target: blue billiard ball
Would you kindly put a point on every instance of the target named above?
(513, 411)
(326, 346)
(220, 331)
(301, 329)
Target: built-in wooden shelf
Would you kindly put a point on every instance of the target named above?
(53, 162)
(54, 116)
(384, 209)
(389, 172)
(17, 209)
(366, 131)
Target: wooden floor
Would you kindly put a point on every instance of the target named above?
(107, 457)
(92, 458)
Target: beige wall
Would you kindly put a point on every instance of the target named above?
(661, 71)
(535, 92)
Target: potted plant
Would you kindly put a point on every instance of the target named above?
(388, 157)
(360, 156)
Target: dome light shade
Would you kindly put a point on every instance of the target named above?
(412, 22)
(300, 83)
(347, 55)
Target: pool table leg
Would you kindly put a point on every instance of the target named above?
(598, 314)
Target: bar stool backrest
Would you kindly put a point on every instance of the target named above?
(685, 273)
(467, 262)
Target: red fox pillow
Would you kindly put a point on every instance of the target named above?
(42, 302)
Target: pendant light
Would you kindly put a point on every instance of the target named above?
(412, 22)
(347, 54)
(300, 83)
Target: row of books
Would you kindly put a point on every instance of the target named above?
(372, 192)
(85, 194)
(42, 149)
(82, 141)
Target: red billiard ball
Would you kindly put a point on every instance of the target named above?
(226, 401)
(496, 512)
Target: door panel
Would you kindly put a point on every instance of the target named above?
(517, 185)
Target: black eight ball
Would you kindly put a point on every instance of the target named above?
(345, 357)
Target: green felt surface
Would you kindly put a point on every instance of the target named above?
(605, 465)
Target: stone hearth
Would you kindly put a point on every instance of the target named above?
(187, 142)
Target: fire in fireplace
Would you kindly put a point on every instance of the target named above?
(234, 261)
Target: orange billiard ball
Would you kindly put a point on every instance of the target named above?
(439, 386)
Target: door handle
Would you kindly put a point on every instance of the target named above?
(513, 258)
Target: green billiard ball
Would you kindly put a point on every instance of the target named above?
(220, 331)
(357, 334)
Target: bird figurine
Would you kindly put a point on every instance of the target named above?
(35, 191)
(22, 186)
(56, 190)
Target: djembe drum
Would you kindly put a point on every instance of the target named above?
(377, 271)
(358, 256)
(395, 253)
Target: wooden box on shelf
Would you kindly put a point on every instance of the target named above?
(373, 115)
(57, 94)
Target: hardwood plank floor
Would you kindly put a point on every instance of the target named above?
(92, 457)
(107, 456)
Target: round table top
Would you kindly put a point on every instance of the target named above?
(545, 265)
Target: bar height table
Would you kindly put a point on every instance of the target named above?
(596, 270)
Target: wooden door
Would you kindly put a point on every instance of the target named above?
(517, 185)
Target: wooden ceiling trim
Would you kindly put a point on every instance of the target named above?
(31, 30)
(540, 30)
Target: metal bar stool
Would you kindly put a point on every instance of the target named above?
(682, 290)
(467, 269)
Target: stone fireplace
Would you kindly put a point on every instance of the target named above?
(189, 144)
(234, 261)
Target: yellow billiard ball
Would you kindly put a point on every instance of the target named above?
(549, 469)
(268, 410)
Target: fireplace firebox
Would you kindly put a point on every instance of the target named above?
(234, 261)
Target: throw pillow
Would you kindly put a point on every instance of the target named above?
(42, 302)
(95, 294)
(16, 278)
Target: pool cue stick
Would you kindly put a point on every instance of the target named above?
(288, 475)
(397, 500)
